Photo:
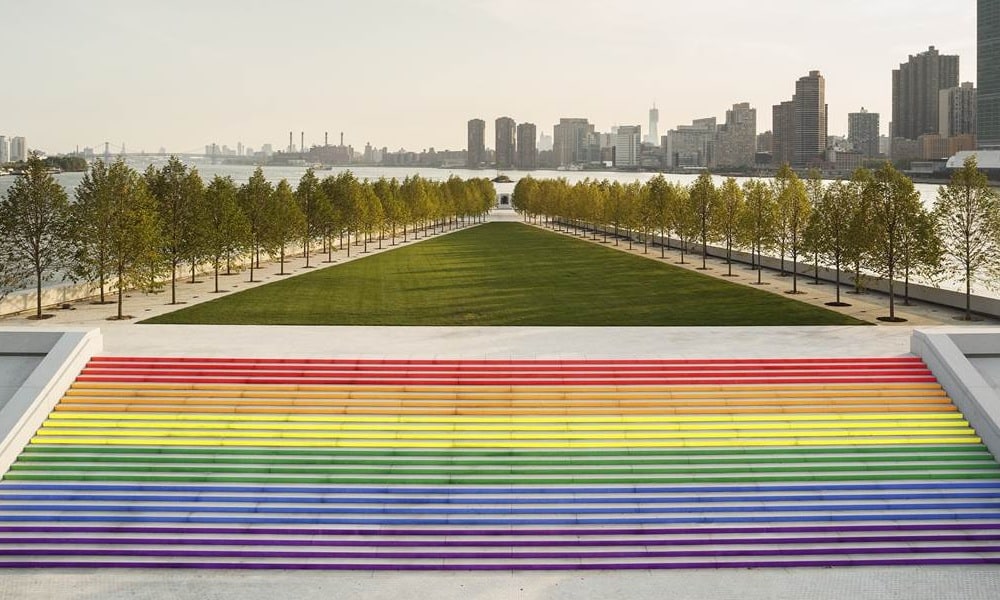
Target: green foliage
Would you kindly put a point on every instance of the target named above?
(135, 235)
(177, 190)
(254, 197)
(505, 274)
(227, 229)
(967, 214)
(34, 227)
(72, 164)
(893, 204)
(704, 202)
(726, 219)
(285, 219)
(314, 206)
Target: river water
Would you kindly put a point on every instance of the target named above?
(241, 174)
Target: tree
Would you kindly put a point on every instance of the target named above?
(793, 216)
(728, 215)
(967, 212)
(761, 219)
(658, 196)
(704, 200)
(814, 191)
(254, 198)
(830, 227)
(227, 230)
(90, 226)
(285, 219)
(177, 191)
(893, 201)
(921, 248)
(311, 199)
(858, 244)
(685, 222)
(134, 233)
(34, 226)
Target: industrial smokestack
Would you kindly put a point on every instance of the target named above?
(326, 138)
(341, 139)
(302, 145)
(291, 144)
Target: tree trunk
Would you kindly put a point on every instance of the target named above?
(216, 277)
(173, 282)
(281, 260)
(38, 292)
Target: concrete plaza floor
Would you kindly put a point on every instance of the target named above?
(130, 338)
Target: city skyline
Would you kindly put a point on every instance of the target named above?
(230, 73)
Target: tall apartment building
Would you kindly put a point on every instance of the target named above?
(800, 124)
(653, 137)
(506, 136)
(783, 130)
(527, 151)
(765, 142)
(809, 144)
(736, 140)
(476, 149)
(570, 141)
(916, 87)
(628, 146)
(4, 150)
(957, 111)
(863, 132)
(18, 149)
(988, 80)
(690, 145)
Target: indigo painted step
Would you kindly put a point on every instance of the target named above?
(483, 465)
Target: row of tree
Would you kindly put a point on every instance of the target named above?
(873, 224)
(132, 230)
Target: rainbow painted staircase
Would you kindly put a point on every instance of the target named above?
(356, 464)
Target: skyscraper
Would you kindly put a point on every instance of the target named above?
(18, 149)
(506, 131)
(863, 132)
(809, 143)
(736, 140)
(570, 141)
(627, 146)
(957, 111)
(988, 95)
(4, 151)
(476, 154)
(783, 126)
(654, 123)
(916, 87)
(527, 151)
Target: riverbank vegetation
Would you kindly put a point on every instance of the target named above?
(873, 224)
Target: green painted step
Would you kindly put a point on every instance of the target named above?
(465, 480)
(501, 470)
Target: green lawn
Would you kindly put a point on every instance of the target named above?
(504, 274)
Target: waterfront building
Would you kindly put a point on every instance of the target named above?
(764, 142)
(736, 140)
(988, 80)
(18, 149)
(783, 125)
(690, 145)
(506, 142)
(544, 142)
(809, 143)
(916, 92)
(527, 151)
(628, 146)
(4, 150)
(863, 132)
(800, 124)
(653, 137)
(570, 141)
(957, 111)
(476, 154)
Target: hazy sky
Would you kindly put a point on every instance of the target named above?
(410, 73)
